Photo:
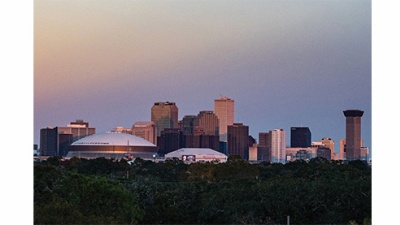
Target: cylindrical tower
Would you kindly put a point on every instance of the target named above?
(353, 133)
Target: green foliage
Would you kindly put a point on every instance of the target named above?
(81, 191)
(63, 197)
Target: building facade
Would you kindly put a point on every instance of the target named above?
(79, 129)
(324, 152)
(56, 141)
(253, 154)
(146, 130)
(278, 146)
(188, 124)
(264, 146)
(171, 139)
(164, 115)
(364, 153)
(329, 143)
(238, 140)
(291, 153)
(208, 121)
(300, 137)
(353, 133)
(49, 141)
(224, 109)
(122, 130)
(342, 149)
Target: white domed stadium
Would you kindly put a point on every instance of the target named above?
(112, 145)
(189, 155)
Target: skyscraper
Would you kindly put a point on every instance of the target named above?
(300, 137)
(164, 115)
(224, 109)
(353, 133)
(278, 146)
(208, 121)
(238, 140)
(264, 146)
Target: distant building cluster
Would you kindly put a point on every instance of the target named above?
(199, 136)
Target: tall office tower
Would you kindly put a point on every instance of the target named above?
(224, 108)
(300, 137)
(188, 124)
(264, 146)
(208, 121)
(164, 115)
(353, 133)
(145, 130)
(278, 146)
(329, 143)
(238, 140)
(48, 141)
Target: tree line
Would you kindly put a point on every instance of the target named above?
(108, 191)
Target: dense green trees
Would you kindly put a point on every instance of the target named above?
(63, 197)
(236, 192)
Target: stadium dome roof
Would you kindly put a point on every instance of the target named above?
(196, 151)
(112, 139)
(189, 155)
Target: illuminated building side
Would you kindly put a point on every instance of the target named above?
(329, 143)
(164, 115)
(145, 130)
(224, 109)
(208, 121)
(278, 146)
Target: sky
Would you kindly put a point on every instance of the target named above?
(285, 63)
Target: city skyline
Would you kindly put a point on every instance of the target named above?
(288, 138)
(36, 110)
(285, 63)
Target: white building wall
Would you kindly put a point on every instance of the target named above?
(253, 153)
(278, 146)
